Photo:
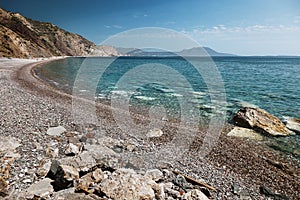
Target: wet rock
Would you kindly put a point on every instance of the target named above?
(42, 188)
(127, 184)
(155, 133)
(261, 121)
(245, 133)
(3, 187)
(293, 124)
(8, 143)
(56, 131)
(194, 195)
(63, 175)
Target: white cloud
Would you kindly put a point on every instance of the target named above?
(251, 40)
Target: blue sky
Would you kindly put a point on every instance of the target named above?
(256, 27)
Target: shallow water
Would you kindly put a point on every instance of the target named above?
(271, 83)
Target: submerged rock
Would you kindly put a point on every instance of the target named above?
(245, 133)
(261, 121)
(293, 124)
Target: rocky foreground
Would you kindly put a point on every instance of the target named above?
(45, 155)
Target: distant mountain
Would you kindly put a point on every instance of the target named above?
(22, 37)
(196, 51)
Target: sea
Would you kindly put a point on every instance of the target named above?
(178, 83)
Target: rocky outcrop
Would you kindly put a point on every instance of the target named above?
(21, 37)
(261, 121)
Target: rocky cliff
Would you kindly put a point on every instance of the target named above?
(22, 37)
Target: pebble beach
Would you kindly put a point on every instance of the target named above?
(237, 168)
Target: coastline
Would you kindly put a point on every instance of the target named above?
(232, 161)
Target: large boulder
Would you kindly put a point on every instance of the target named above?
(261, 121)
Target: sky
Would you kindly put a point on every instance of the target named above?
(254, 27)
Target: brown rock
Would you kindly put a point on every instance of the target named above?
(3, 187)
(293, 124)
(261, 121)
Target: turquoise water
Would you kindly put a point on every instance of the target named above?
(271, 83)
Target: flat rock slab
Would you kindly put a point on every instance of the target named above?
(42, 188)
(56, 131)
(245, 133)
(261, 121)
(8, 143)
(293, 124)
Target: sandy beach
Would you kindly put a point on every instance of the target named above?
(29, 107)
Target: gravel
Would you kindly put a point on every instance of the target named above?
(236, 167)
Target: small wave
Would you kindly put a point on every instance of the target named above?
(247, 104)
(175, 95)
(145, 98)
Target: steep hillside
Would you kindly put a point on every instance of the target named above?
(25, 38)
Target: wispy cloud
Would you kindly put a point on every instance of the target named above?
(139, 15)
(114, 26)
(250, 40)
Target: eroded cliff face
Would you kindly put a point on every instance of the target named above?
(25, 38)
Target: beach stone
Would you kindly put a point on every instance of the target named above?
(154, 174)
(63, 175)
(94, 155)
(245, 133)
(3, 187)
(44, 169)
(293, 124)
(194, 194)
(261, 121)
(127, 184)
(8, 143)
(155, 133)
(42, 188)
(75, 196)
(97, 175)
(56, 131)
(72, 149)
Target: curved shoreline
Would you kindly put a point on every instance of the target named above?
(242, 158)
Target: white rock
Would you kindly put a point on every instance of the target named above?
(154, 174)
(155, 133)
(56, 131)
(245, 133)
(127, 184)
(72, 149)
(292, 124)
(8, 143)
(194, 195)
(41, 188)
